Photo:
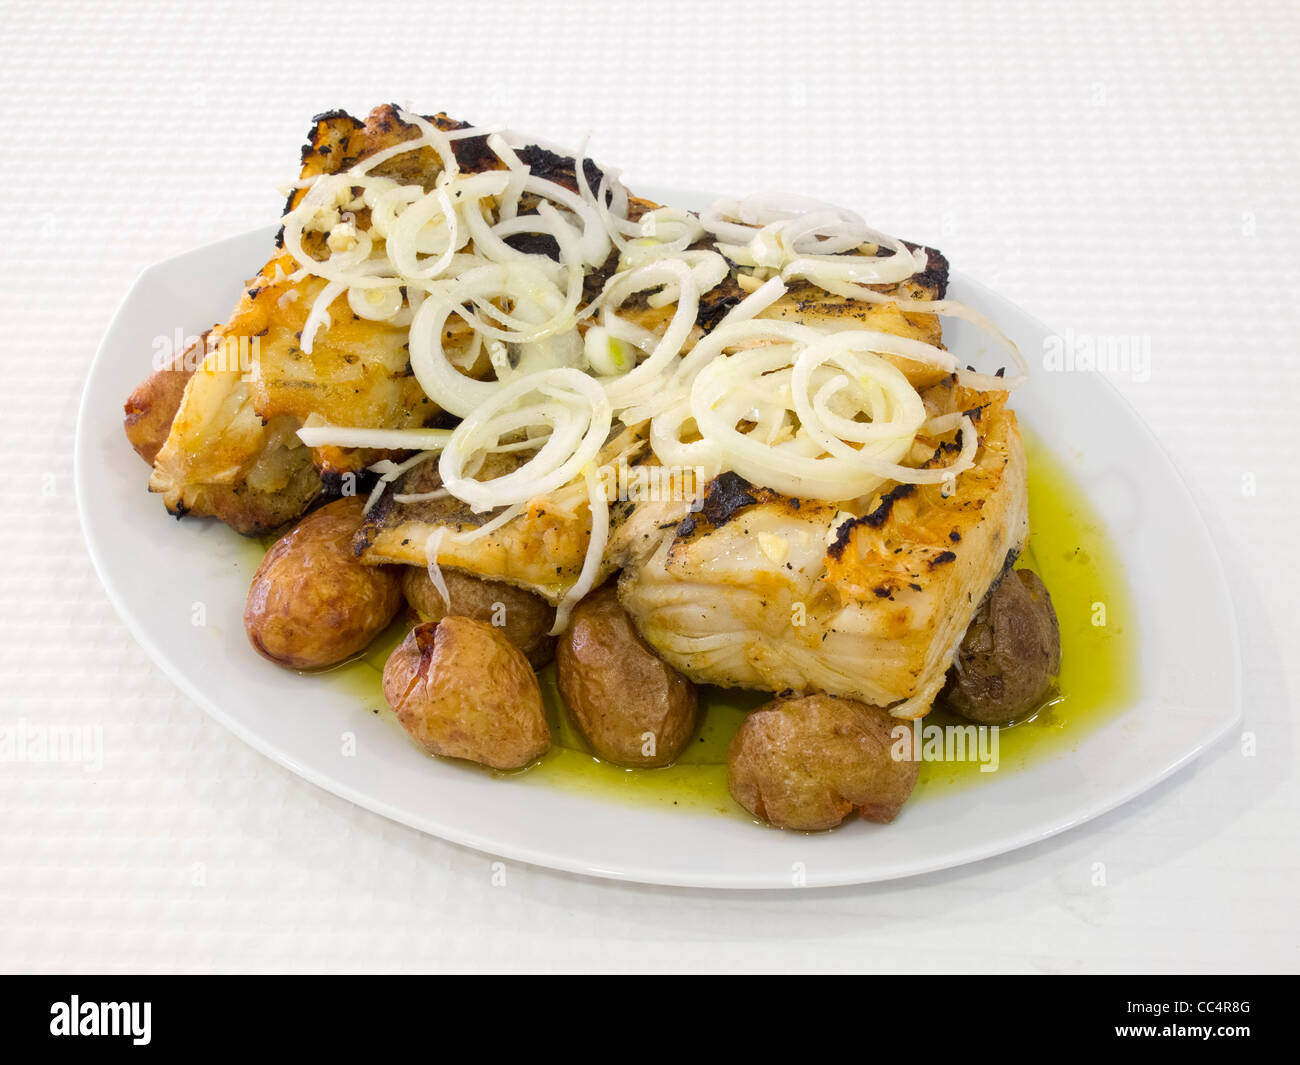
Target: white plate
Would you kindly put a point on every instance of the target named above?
(156, 569)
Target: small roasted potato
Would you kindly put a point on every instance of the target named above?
(523, 617)
(462, 690)
(1009, 655)
(312, 602)
(809, 762)
(632, 706)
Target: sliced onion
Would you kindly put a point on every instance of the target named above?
(375, 305)
(627, 388)
(753, 304)
(599, 508)
(431, 545)
(567, 401)
(320, 314)
(832, 456)
(379, 439)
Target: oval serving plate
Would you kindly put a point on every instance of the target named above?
(155, 569)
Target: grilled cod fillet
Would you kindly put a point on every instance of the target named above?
(762, 591)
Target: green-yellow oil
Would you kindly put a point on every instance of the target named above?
(696, 781)
(1068, 548)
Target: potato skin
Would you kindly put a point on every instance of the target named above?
(462, 690)
(151, 407)
(1009, 655)
(527, 617)
(312, 602)
(807, 763)
(617, 689)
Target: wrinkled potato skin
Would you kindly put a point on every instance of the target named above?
(1009, 655)
(312, 603)
(808, 763)
(462, 690)
(617, 689)
(528, 617)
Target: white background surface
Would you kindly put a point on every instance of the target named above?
(1123, 169)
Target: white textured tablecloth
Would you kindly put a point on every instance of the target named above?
(1116, 169)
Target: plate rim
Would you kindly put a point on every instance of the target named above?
(986, 848)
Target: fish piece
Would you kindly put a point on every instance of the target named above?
(762, 591)
(542, 549)
(231, 451)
